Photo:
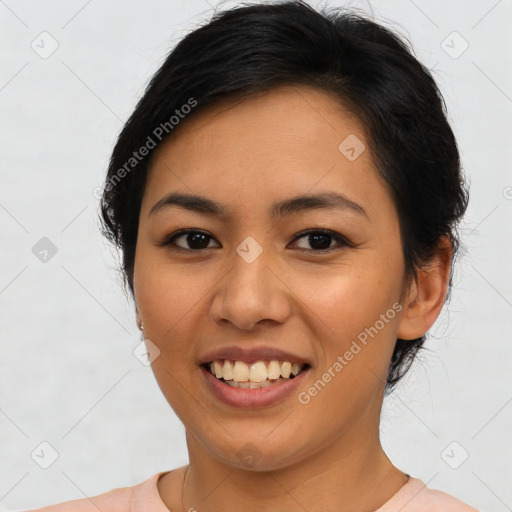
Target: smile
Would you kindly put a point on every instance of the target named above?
(260, 374)
(278, 380)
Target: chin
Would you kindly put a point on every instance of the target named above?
(258, 453)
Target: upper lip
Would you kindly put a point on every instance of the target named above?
(251, 355)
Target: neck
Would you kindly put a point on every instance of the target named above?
(351, 473)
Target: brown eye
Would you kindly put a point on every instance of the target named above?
(194, 240)
(321, 240)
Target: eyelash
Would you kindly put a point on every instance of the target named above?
(342, 241)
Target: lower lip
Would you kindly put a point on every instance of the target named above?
(251, 398)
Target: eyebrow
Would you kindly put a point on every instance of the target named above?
(279, 209)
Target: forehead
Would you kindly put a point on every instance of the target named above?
(281, 117)
(288, 141)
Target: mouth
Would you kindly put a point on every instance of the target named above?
(260, 374)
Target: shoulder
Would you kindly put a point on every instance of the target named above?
(415, 496)
(116, 500)
(121, 499)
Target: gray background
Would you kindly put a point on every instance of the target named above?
(68, 376)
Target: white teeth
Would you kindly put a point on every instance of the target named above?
(259, 373)
(217, 369)
(227, 370)
(253, 385)
(240, 372)
(296, 368)
(274, 370)
(286, 369)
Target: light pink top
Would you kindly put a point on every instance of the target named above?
(414, 496)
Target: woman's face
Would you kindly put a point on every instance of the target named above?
(250, 280)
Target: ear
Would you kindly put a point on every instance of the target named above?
(427, 293)
(137, 316)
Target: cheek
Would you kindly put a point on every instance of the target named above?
(165, 293)
(349, 298)
(356, 321)
(167, 298)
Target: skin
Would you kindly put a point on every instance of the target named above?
(324, 455)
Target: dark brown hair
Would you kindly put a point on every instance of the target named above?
(256, 47)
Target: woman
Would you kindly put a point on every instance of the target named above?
(285, 196)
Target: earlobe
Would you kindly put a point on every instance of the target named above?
(138, 319)
(426, 296)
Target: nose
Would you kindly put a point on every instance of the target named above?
(253, 291)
